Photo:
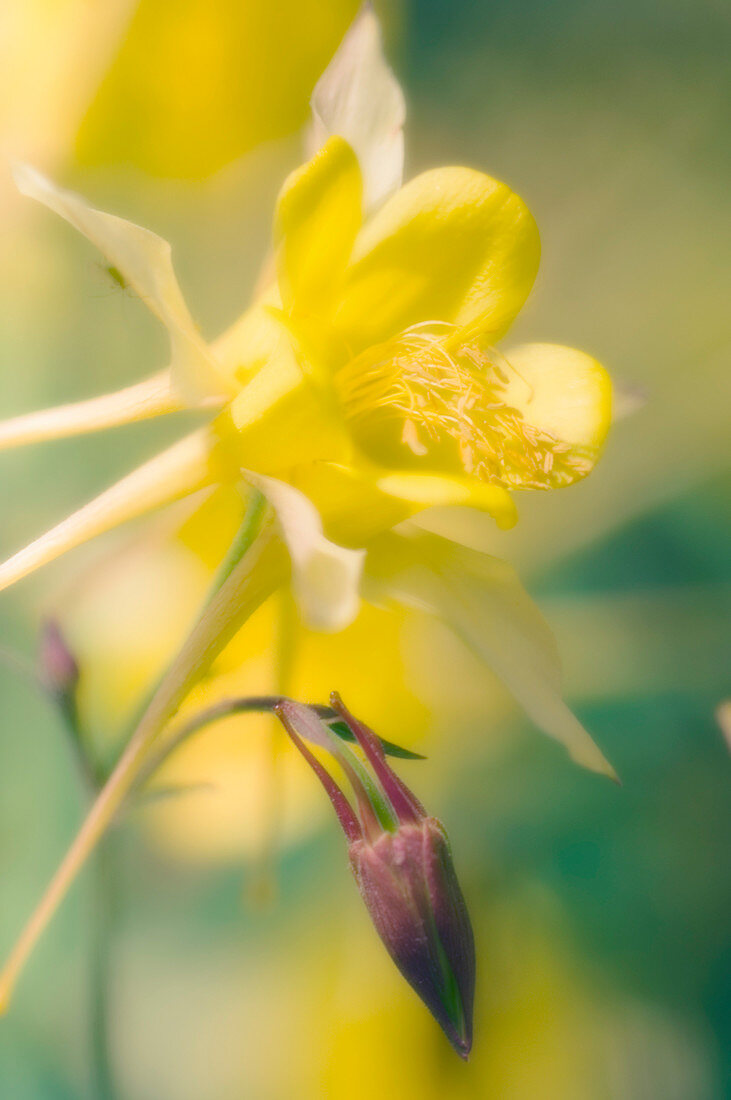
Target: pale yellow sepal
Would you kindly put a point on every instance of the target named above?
(483, 601)
(453, 245)
(317, 218)
(325, 576)
(144, 261)
(359, 98)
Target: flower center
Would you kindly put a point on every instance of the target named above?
(450, 402)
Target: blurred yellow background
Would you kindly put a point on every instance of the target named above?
(601, 914)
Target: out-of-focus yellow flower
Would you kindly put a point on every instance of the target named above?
(550, 1026)
(363, 384)
(52, 56)
(125, 621)
(195, 85)
(547, 1028)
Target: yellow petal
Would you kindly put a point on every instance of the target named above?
(176, 472)
(144, 261)
(316, 222)
(208, 527)
(483, 601)
(453, 245)
(360, 502)
(435, 490)
(153, 397)
(244, 347)
(325, 576)
(566, 396)
(352, 506)
(359, 98)
(283, 416)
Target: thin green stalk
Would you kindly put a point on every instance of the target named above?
(249, 704)
(259, 571)
(243, 539)
(102, 877)
(101, 961)
(262, 882)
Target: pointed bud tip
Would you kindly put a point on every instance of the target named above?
(460, 1039)
(57, 664)
(463, 1047)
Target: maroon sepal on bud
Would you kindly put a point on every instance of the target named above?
(402, 863)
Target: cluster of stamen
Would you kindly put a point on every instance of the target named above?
(438, 389)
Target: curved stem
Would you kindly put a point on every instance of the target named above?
(257, 574)
(251, 704)
(262, 885)
(102, 919)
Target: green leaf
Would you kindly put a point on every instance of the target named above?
(388, 747)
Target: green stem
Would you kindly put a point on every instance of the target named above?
(92, 778)
(103, 884)
(262, 884)
(102, 917)
(260, 570)
(250, 704)
(243, 539)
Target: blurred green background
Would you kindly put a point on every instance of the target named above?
(601, 914)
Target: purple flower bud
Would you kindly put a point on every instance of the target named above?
(408, 883)
(57, 665)
(402, 863)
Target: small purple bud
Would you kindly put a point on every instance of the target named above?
(58, 668)
(408, 883)
(403, 866)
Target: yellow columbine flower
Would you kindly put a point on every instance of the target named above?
(363, 385)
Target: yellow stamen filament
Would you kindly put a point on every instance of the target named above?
(441, 393)
(153, 397)
(175, 473)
